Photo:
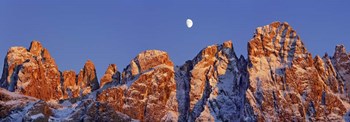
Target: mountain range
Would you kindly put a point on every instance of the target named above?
(279, 80)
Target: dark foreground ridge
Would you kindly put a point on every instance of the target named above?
(278, 81)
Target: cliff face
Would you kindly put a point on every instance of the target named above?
(33, 72)
(111, 76)
(341, 63)
(210, 87)
(148, 90)
(285, 84)
(279, 81)
(81, 84)
(87, 79)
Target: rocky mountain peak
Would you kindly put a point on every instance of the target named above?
(341, 63)
(81, 84)
(89, 65)
(87, 78)
(278, 39)
(151, 58)
(36, 48)
(339, 49)
(341, 58)
(318, 59)
(112, 75)
(213, 76)
(27, 71)
(280, 81)
(111, 69)
(280, 66)
(148, 87)
(340, 54)
(275, 46)
(145, 61)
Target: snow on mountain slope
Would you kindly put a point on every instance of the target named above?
(16, 107)
(279, 81)
(212, 86)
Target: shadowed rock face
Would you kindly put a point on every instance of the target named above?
(280, 81)
(210, 87)
(341, 63)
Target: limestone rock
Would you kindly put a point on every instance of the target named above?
(145, 61)
(70, 86)
(111, 76)
(31, 72)
(87, 79)
(279, 81)
(16, 107)
(90, 110)
(148, 92)
(284, 83)
(329, 74)
(341, 62)
(210, 85)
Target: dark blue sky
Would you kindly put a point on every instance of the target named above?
(116, 31)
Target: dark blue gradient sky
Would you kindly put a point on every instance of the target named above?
(116, 31)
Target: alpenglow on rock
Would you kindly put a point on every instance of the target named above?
(148, 91)
(31, 72)
(278, 81)
(111, 76)
(284, 83)
(87, 78)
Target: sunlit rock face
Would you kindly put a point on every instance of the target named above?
(329, 74)
(31, 72)
(148, 90)
(279, 81)
(284, 82)
(81, 84)
(111, 76)
(69, 85)
(87, 79)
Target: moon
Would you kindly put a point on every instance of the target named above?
(189, 23)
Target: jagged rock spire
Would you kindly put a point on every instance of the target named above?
(279, 81)
(87, 78)
(32, 72)
(111, 76)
